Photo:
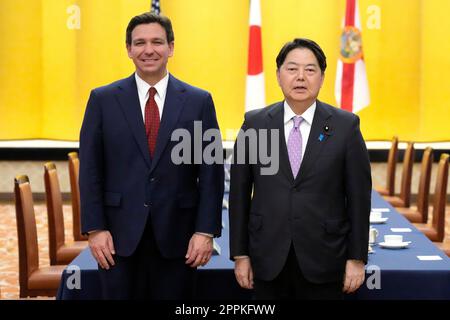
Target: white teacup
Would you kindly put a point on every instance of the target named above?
(393, 238)
(376, 215)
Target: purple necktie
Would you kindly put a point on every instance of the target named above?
(295, 146)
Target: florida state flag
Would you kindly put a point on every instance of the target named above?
(352, 89)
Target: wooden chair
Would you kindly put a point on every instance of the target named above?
(60, 253)
(419, 213)
(34, 281)
(391, 165)
(436, 231)
(441, 199)
(74, 169)
(404, 200)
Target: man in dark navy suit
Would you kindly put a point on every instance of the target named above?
(302, 232)
(150, 221)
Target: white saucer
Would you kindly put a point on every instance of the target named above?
(377, 221)
(394, 245)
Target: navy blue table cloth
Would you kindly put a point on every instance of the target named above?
(390, 273)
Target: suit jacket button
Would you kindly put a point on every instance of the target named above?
(152, 180)
(146, 205)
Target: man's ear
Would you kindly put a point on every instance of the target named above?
(128, 50)
(322, 80)
(171, 48)
(278, 77)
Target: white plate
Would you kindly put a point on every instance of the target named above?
(394, 245)
(377, 221)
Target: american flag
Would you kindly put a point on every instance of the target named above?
(155, 7)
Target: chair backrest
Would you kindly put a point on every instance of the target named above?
(408, 162)
(74, 169)
(26, 232)
(424, 183)
(391, 165)
(54, 211)
(440, 197)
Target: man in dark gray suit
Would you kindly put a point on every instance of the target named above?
(302, 232)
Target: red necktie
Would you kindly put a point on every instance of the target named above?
(151, 120)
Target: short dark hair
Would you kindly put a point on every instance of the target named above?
(150, 17)
(302, 43)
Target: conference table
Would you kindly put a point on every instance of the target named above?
(419, 271)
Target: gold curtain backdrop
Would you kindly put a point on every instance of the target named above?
(53, 52)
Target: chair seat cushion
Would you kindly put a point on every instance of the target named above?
(444, 246)
(382, 191)
(68, 252)
(412, 214)
(430, 232)
(395, 201)
(45, 278)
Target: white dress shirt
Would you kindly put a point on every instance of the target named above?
(305, 125)
(160, 96)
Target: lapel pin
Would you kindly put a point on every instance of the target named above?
(326, 128)
(321, 137)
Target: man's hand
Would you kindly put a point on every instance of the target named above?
(243, 272)
(354, 275)
(102, 248)
(199, 250)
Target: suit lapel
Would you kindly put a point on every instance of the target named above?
(173, 106)
(315, 143)
(275, 120)
(128, 98)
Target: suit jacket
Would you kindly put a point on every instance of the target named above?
(323, 212)
(121, 186)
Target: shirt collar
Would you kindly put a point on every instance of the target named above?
(160, 86)
(307, 116)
